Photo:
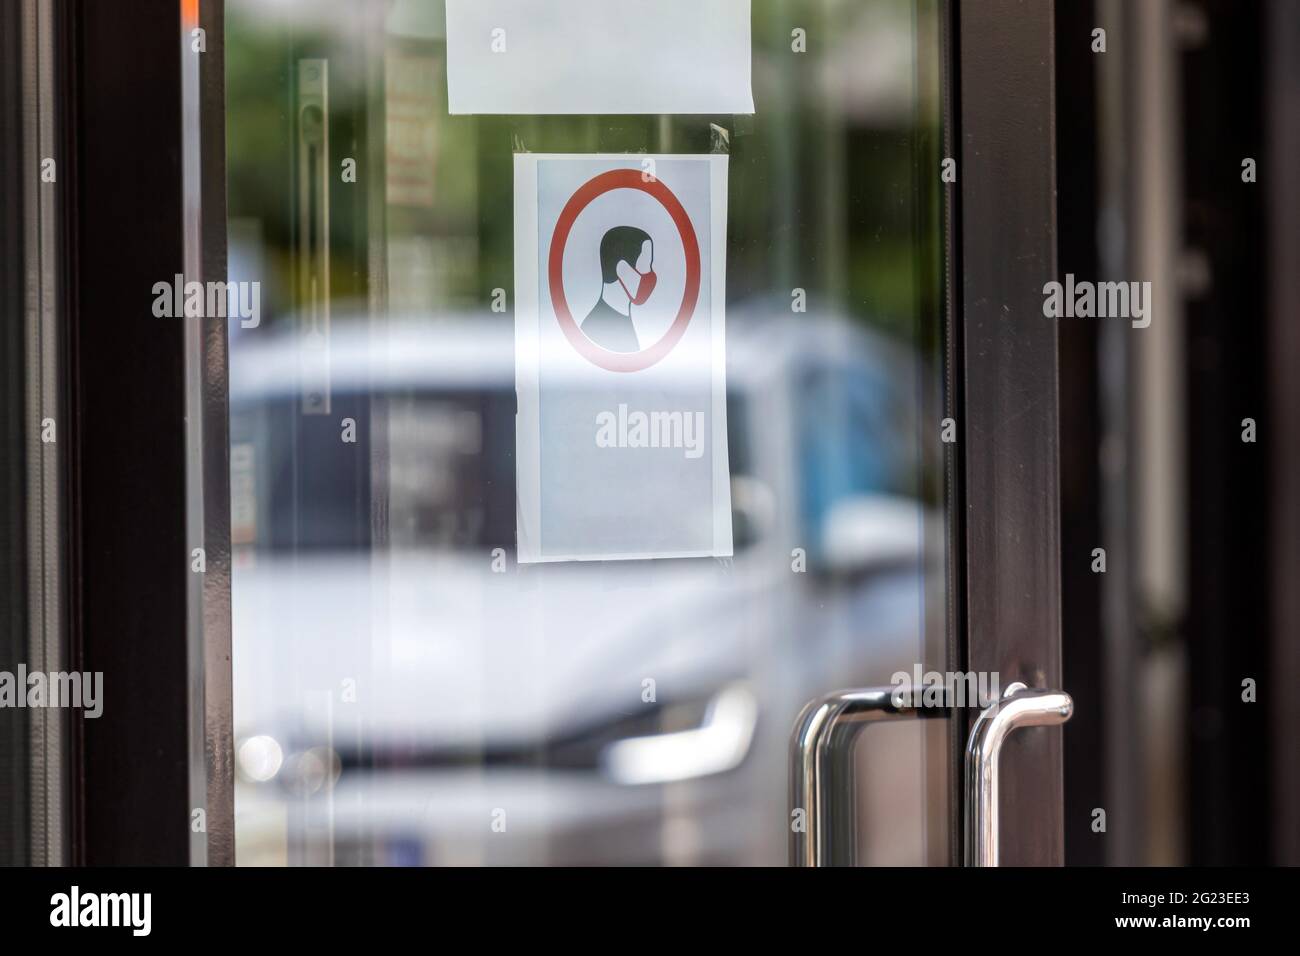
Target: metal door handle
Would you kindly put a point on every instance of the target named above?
(821, 778)
(1019, 707)
(313, 238)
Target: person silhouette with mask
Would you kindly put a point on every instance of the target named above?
(627, 271)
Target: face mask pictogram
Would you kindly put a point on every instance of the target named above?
(645, 284)
(620, 364)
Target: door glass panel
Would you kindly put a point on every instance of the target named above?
(406, 692)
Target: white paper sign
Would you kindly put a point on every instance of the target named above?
(598, 56)
(620, 362)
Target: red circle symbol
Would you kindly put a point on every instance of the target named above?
(598, 186)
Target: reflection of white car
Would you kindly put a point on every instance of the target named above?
(404, 692)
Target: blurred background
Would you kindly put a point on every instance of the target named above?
(398, 678)
(1198, 517)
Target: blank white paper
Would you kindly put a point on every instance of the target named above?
(598, 56)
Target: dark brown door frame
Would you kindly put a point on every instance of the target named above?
(138, 613)
(1283, 118)
(1007, 245)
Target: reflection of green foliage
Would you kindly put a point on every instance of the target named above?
(260, 63)
(883, 285)
(258, 125)
(820, 198)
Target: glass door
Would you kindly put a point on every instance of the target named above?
(462, 636)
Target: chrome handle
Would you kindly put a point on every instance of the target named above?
(1019, 707)
(821, 778)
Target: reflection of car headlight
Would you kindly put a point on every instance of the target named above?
(259, 758)
(718, 744)
(311, 771)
